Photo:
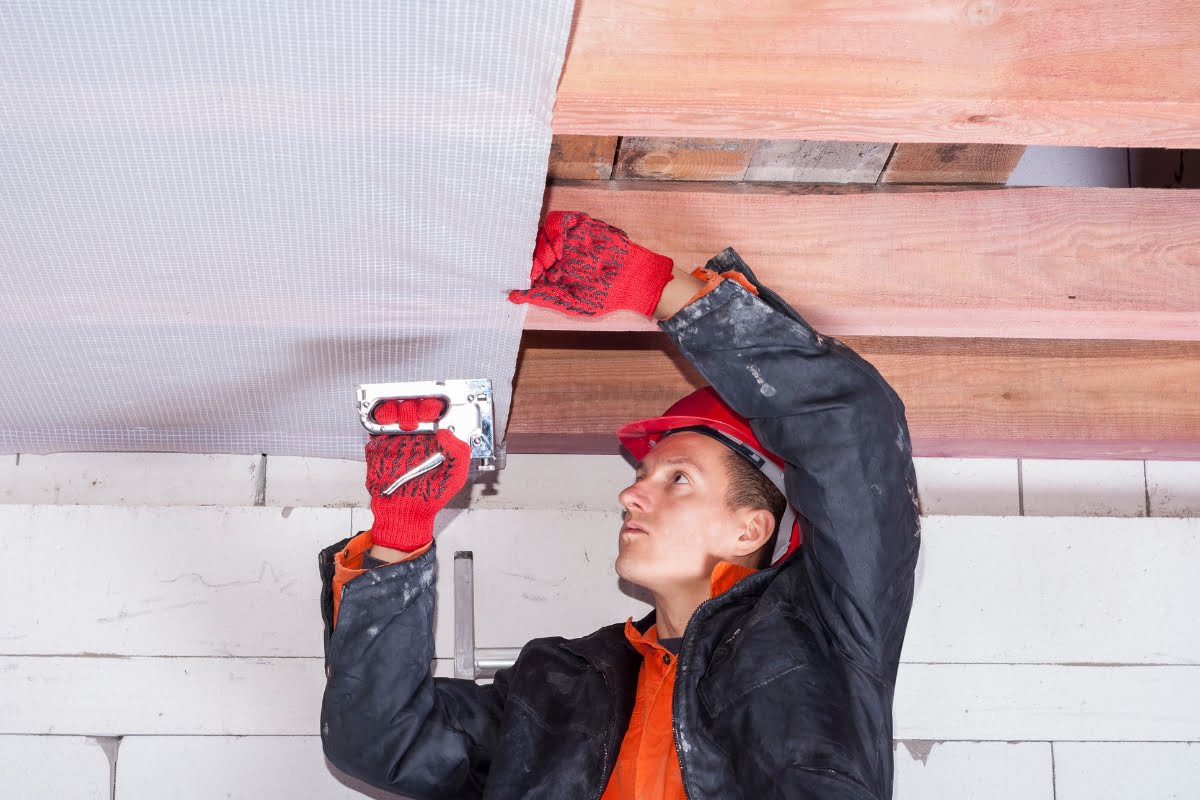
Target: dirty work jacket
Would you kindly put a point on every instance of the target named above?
(647, 762)
(647, 766)
(784, 683)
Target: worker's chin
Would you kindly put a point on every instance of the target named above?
(632, 567)
(639, 569)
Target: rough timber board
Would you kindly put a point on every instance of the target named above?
(952, 163)
(1069, 263)
(582, 157)
(1120, 74)
(684, 159)
(990, 398)
(817, 162)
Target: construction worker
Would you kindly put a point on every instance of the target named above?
(773, 517)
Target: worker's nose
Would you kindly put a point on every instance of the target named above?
(633, 497)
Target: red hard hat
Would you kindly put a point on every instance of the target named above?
(705, 412)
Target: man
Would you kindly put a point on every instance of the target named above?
(768, 666)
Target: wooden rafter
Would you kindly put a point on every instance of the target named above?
(683, 159)
(952, 163)
(582, 157)
(575, 157)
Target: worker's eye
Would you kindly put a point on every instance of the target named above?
(679, 475)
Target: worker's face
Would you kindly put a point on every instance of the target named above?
(678, 501)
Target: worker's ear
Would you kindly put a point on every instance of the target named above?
(757, 526)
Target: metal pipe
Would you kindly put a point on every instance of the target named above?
(464, 615)
(490, 660)
(469, 662)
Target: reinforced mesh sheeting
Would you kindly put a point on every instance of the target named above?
(217, 217)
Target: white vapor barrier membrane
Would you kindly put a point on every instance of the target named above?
(217, 217)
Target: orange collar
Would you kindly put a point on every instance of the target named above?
(724, 576)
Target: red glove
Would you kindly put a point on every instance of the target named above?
(585, 267)
(404, 519)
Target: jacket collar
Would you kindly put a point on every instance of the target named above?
(722, 579)
(606, 648)
(610, 648)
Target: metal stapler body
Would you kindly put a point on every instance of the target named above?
(468, 413)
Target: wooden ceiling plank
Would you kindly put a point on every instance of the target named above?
(964, 397)
(1051, 72)
(1045, 262)
(952, 163)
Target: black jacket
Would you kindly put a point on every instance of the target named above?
(784, 683)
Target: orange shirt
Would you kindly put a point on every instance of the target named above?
(647, 765)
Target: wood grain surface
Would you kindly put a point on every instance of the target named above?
(952, 163)
(674, 159)
(964, 397)
(1064, 72)
(581, 157)
(1045, 262)
(817, 162)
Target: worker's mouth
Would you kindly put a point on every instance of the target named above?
(632, 529)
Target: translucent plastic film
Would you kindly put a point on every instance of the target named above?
(216, 218)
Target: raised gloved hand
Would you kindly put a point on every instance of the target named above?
(404, 518)
(586, 268)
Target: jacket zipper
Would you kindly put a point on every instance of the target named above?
(607, 733)
(675, 722)
(679, 666)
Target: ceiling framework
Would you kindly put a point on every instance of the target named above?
(1038, 322)
(857, 158)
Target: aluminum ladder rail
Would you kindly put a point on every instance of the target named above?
(471, 662)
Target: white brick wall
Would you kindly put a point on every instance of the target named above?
(160, 633)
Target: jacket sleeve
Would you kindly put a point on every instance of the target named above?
(352, 560)
(841, 429)
(384, 718)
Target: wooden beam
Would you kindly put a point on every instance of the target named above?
(585, 158)
(1070, 263)
(964, 397)
(1064, 72)
(641, 158)
(817, 162)
(952, 163)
